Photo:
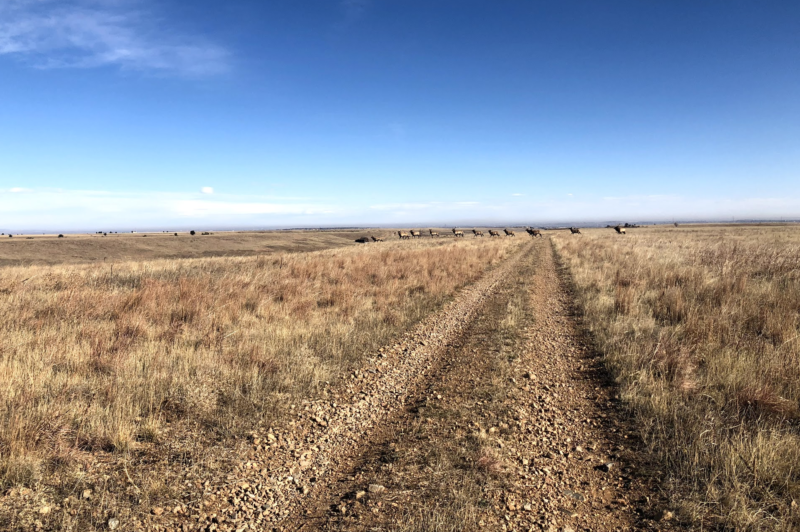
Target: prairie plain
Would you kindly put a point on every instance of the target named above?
(80, 248)
(587, 382)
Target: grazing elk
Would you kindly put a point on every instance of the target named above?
(403, 236)
(509, 233)
(434, 234)
(533, 232)
(457, 233)
(575, 231)
(416, 234)
(362, 240)
(477, 233)
(619, 230)
(376, 239)
(492, 233)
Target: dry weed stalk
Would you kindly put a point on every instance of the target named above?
(701, 326)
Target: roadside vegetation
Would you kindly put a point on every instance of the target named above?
(701, 327)
(106, 365)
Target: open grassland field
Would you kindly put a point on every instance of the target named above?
(33, 249)
(701, 327)
(26, 250)
(116, 380)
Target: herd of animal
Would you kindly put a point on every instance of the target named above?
(458, 233)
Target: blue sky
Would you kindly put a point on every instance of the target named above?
(167, 114)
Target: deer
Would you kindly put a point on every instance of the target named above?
(434, 234)
(533, 232)
(492, 233)
(575, 231)
(415, 234)
(619, 230)
(476, 233)
(457, 233)
(378, 239)
(509, 233)
(403, 236)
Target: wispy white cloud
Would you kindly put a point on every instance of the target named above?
(207, 190)
(96, 33)
(399, 206)
(203, 208)
(60, 209)
(422, 206)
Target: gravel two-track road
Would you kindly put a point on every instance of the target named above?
(494, 413)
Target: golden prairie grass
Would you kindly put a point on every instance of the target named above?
(38, 250)
(99, 362)
(701, 325)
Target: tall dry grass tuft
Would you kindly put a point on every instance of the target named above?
(701, 326)
(99, 361)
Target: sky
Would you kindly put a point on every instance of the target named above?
(145, 114)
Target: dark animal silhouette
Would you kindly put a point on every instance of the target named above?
(403, 236)
(575, 231)
(457, 233)
(492, 233)
(509, 233)
(434, 234)
(477, 233)
(619, 230)
(533, 232)
(378, 239)
(416, 234)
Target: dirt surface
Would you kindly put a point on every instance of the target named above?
(492, 414)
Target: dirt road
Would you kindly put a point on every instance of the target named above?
(493, 414)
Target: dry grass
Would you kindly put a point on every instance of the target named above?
(701, 326)
(98, 363)
(22, 250)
